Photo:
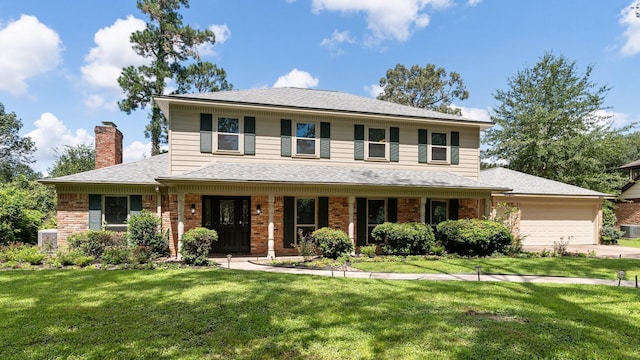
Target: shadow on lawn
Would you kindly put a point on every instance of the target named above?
(242, 315)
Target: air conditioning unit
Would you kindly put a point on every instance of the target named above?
(48, 240)
(631, 231)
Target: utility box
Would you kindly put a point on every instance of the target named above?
(631, 231)
(48, 240)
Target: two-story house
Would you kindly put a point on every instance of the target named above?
(261, 166)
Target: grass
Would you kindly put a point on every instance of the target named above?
(596, 268)
(629, 242)
(220, 314)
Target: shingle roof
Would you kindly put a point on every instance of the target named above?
(526, 184)
(630, 165)
(141, 172)
(319, 100)
(327, 175)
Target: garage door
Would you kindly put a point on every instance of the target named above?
(544, 224)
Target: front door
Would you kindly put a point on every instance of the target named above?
(231, 218)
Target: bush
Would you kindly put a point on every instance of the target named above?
(142, 254)
(306, 248)
(94, 243)
(333, 243)
(144, 230)
(196, 244)
(404, 239)
(65, 257)
(369, 251)
(117, 255)
(474, 237)
(22, 253)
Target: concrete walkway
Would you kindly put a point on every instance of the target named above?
(250, 263)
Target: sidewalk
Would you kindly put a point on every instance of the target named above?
(247, 263)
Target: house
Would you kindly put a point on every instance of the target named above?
(628, 208)
(261, 166)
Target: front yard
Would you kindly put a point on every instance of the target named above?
(221, 314)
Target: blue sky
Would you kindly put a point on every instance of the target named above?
(60, 59)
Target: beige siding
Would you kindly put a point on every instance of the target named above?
(185, 141)
(631, 193)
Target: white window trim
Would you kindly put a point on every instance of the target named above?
(315, 210)
(295, 140)
(240, 135)
(386, 144)
(386, 217)
(104, 207)
(431, 146)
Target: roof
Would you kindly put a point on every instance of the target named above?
(318, 100)
(141, 172)
(525, 184)
(631, 165)
(329, 175)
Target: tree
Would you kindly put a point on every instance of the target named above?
(424, 87)
(167, 43)
(203, 77)
(73, 160)
(550, 122)
(16, 152)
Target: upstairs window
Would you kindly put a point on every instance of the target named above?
(228, 134)
(439, 147)
(377, 143)
(306, 143)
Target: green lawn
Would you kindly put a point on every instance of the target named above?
(227, 314)
(596, 268)
(629, 242)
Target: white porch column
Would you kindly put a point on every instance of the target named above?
(423, 209)
(180, 221)
(352, 200)
(271, 252)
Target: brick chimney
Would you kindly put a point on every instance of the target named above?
(108, 145)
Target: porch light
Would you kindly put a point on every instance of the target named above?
(620, 274)
(259, 210)
(193, 209)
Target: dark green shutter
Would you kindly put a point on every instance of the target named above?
(285, 137)
(325, 140)
(323, 212)
(427, 212)
(453, 209)
(394, 144)
(135, 204)
(361, 222)
(206, 133)
(249, 135)
(95, 212)
(358, 142)
(392, 210)
(289, 221)
(422, 146)
(455, 148)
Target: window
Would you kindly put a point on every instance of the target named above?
(437, 212)
(377, 143)
(228, 134)
(439, 147)
(305, 217)
(116, 210)
(376, 214)
(306, 143)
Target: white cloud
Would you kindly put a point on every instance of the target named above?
(473, 2)
(297, 78)
(51, 133)
(374, 90)
(29, 48)
(631, 34)
(386, 19)
(615, 119)
(337, 38)
(474, 113)
(136, 151)
(222, 33)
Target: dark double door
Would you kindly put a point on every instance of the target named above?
(230, 216)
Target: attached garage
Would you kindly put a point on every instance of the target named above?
(549, 211)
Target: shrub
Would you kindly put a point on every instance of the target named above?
(144, 230)
(142, 254)
(369, 250)
(94, 243)
(404, 239)
(474, 237)
(196, 244)
(333, 243)
(65, 257)
(23, 253)
(117, 255)
(306, 248)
